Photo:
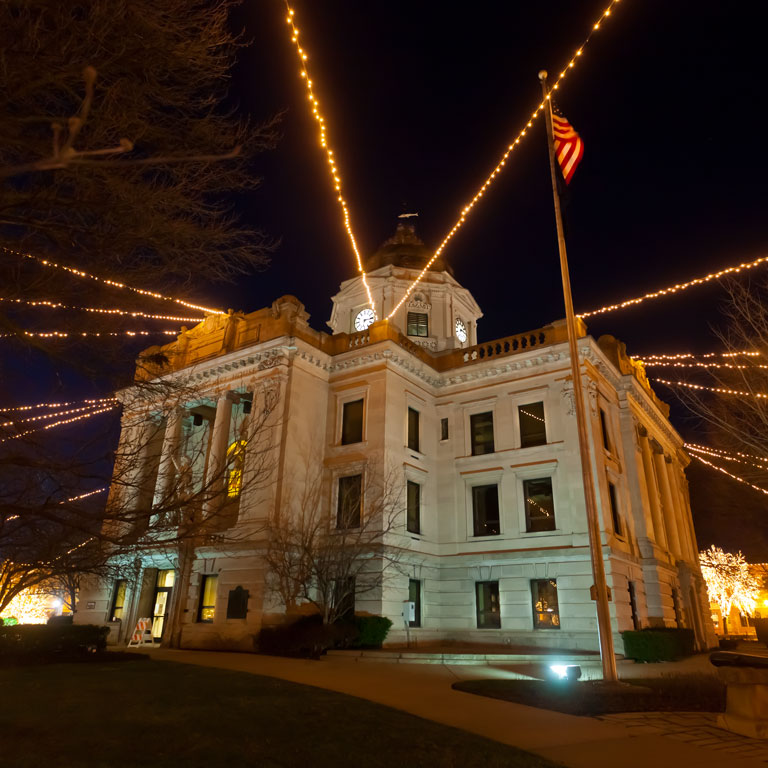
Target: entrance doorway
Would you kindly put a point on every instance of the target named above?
(162, 603)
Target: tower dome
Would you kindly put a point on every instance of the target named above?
(405, 249)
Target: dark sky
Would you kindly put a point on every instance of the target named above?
(421, 99)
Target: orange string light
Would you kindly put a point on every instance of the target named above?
(466, 210)
(71, 334)
(678, 287)
(326, 145)
(723, 456)
(730, 474)
(60, 423)
(101, 310)
(718, 390)
(44, 417)
(676, 364)
(111, 283)
(705, 449)
(55, 405)
(689, 355)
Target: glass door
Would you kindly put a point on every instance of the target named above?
(163, 591)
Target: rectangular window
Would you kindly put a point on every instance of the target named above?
(414, 507)
(546, 612)
(413, 429)
(488, 613)
(617, 529)
(443, 429)
(350, 496)
(633, 605)
(414, 595)
(604, 429)
(118, 600)
(485, 510)
(352, 423)
(207, 606)
(481, 429)
(533, 428)
(418, 324)
(539, 505)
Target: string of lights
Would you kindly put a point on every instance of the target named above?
(533, 416)
(60, 423)
(678, 287)
(111, 283)
(55, 415)
(333, 169)
(690, 355)
(677, 364)
(55, 405)
(718, 390)
(66, 501)
(70, 334)
(718, 454)
(101, 310)
(730, 474)
(467, 209)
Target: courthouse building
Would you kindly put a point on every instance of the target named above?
(480, 438)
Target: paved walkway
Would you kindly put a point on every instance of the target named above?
(577, 742)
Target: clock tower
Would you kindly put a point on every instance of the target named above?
(438, 314)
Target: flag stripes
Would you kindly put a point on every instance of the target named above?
(569, 148)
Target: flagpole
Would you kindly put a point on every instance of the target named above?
(605, 635)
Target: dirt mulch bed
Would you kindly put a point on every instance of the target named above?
(685, 693)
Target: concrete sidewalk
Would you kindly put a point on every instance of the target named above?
(577, 742)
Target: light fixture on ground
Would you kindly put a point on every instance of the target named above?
(566, 671)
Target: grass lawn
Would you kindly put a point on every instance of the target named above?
(161, 714)
(684, 693)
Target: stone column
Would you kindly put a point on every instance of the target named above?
(659, 533)
(217, 456)
(668, 505)
(684, 527)
(166, 472)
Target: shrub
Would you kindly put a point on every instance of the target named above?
(52, 640)
(728, 643)
(305, 637)
(658, 644)
(761, 629)
(371, 631)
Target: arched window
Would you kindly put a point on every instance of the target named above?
(235, 460)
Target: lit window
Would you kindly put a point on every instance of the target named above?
(418, 324)
(414, 507)
(481, 430)
(235, 461)
(352, 423)
(488, 613)
(546, 611)
(539, 505)
(485, 510)
(207, 599)
(533, 428)
(350, 496)
(118, 600)
(617, 529)
(414, 595)
(413, 429)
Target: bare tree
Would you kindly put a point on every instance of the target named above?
(329, 557)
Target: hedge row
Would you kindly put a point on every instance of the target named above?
(308, 636)
(57, 640)
(658, 644)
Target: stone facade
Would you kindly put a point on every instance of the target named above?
(472, 583)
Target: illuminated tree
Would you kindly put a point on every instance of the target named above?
(729, 581)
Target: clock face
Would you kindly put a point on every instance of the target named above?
(364, 318)
(461, 330)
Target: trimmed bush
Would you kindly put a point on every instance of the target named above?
(761, 629)
(372, 631)
(305, 637)
(658, 644)
(52, 640)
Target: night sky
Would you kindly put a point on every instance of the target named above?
(421, 99)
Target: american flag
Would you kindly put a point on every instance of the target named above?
(569, 148)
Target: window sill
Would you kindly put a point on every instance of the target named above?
(485, 537)
(530, 534)
(350, 445)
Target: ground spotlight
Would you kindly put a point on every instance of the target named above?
(566, 671)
